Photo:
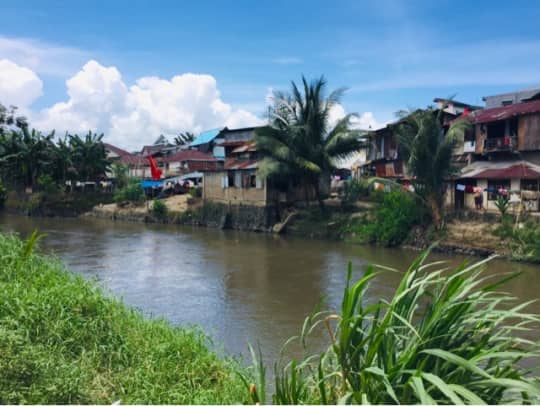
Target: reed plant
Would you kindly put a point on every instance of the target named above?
(446, 336)
(63, 340)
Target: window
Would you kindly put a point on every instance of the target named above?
(230, 179)
(494, 185)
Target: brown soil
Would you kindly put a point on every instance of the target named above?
(473, 234)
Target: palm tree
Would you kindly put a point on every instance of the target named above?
(184, 138)
(300, 143)
(89, 156)
(427, 151)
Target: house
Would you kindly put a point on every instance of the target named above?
(505, 151)
(506, 99)
(135, 163)
(382, 156)
(186, 161)
(209, 142)
(239, 181)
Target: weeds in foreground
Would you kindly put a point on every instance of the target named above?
(446, 336)
(63, 341)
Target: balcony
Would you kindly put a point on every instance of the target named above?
(500, 144)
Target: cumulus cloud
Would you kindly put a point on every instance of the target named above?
(19, 86)
(99, 100)
(364, 121)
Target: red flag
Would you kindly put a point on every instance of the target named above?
(154, 170)
(466, 111)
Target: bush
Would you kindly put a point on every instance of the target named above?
(3, 195)
(64, 341)
(159, 210)
(355, 189)
(47, 184)
(133, 192)
(195, 192)
(394, 218)
(443, 337)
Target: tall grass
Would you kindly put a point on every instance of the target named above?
(446, 336)
(62, 340)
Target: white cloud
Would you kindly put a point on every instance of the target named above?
(19, 86)
(364, 121)
(42, 57)
(99, 100)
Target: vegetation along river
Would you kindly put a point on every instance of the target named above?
(239, 287)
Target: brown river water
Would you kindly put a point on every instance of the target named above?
(239, 287)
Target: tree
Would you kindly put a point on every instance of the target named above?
(300, 143)
(184, 138)
(89, 156)
(25, 155)
(9, 119)
(427, 150)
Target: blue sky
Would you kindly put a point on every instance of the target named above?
(390, 54)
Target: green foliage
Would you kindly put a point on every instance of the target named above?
(47, 184)
(195, 192)
(64, 341)
(427, 150)
(159, 210)
(133, 192)
(394, 218)
(525, 242)
(120, 173)
(3, 195)
(299, 144)
(502, 204)
(444, 337)
(356, 189)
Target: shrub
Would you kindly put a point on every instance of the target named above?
(133, 192)
(502, 204)
(444, 337)
(525, 242)
(159, 210)
(355, 189)
(47, 184)
(394, 218)
(195, 192)
(3, 195)
(64, 341)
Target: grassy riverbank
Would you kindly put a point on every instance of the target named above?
(63, 340)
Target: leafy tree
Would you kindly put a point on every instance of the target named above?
(8, 118)
(89, 156)
(24, 155)
(184, 138)
(427, 150)
(300, 144)
(120, 174)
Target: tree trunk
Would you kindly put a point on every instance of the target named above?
(436, 211)
(316, 186)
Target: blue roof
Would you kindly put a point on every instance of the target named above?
(205, 137)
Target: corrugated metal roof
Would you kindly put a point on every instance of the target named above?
(501, 170)
(241, 165)
(205, 137)
(505, 112)
(189, 155)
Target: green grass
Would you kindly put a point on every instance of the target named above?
(447, 336)
(63, 340)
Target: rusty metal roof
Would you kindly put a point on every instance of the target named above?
(505, 112)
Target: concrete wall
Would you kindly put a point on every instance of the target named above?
(214, 190)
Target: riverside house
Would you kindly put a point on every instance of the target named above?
(504, 153)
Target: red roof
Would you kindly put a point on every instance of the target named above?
(518, 171)
(126, 158)
(505, 112)
(189, 155)
(235, 164)
(232, 143)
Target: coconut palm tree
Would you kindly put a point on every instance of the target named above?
(300, 143)
(184, 138)
(427, 149)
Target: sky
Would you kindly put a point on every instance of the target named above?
(137, 69)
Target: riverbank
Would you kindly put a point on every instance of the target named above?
(64, 341)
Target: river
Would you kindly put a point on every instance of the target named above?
(239, 287)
